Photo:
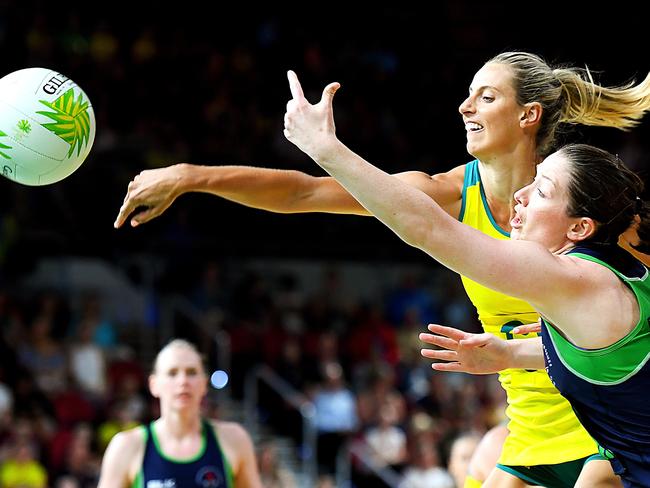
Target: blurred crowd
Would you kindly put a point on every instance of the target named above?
(71, 375)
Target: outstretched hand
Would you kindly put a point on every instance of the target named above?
(154, 190)
(310, 127)
(465, 352)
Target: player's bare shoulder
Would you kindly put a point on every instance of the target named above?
(129, 444)
(454, 178)
(123, 458)
(235, 441)
(230, 432)
(132, 439)
(447, 189)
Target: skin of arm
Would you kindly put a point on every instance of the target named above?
(506, 265)
(480, 353)
(123, 453)
(281, 191)
(564, 286)
(238, 449)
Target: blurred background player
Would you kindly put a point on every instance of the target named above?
(181, 447)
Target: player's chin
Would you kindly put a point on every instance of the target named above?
(478, 149)
(184, 400)
(471, 148)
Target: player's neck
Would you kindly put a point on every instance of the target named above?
(503, 177)
(178, 424)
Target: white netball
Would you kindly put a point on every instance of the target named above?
(47, 126)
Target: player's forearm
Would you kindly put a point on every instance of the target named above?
(409, 212)
(526, 353)
(268, 189)
(276, 190)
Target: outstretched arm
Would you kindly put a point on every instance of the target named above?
(480, 353)
(281, 191)
(275, 190)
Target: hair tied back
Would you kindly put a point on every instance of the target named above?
(638, 205)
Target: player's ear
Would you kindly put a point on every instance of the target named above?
(153, 385)
(531, 114)
(582, 228)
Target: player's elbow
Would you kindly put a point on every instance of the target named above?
(415, 232)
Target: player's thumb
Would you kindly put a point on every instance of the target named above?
(328, 93)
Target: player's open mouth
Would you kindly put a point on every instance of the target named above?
(473, 127)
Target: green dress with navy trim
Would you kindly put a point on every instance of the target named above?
(609, 388)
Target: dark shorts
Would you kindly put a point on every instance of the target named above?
(563, 475)
(633, 473)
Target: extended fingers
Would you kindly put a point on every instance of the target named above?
(453, 366)
(440, 354)
(476, 340)
(328, 93)
(130, 203)
(450, 332)
(127, 207)
(121, 216)
(294, 86)
(439, 341)
(527, 328)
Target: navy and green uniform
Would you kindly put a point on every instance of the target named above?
(609, 388)
(208, 469)
(546, 445)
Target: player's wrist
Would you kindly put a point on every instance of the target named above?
(190, 177)
(329, 152)
(511, 354)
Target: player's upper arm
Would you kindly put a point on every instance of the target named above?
(325, 194)
(118, 464)
(446, 189)
(238, 447)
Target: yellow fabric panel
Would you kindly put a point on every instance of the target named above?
(543, 427)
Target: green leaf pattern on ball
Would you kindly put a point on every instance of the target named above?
(71, 119)
(24, 126)
(3, 146)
